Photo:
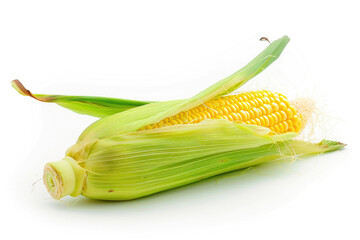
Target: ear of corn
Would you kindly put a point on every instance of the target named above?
(119, 158)
(93, 106)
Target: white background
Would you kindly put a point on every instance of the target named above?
(159, 50)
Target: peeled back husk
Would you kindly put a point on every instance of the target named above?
(105, 106)
(88, 105)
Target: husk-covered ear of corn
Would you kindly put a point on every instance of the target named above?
(163, 145)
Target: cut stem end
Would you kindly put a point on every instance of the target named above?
(64, 177)
(59, 179)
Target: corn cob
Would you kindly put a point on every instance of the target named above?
(262, 108)
(113, 160)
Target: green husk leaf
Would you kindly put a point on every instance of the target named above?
(137, 164)
(88, 105)
(137, 118)
(102, 106)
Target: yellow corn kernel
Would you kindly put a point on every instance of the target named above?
(286, 126)
(266, 100)
(276, 129)
(267, 122)
(281, 127)
(279, 117)
(236, 116)
(271, 120)
(268, 108)
(247, 105)
(274, 116)
(290, 123)
(252, 114)
(257, 112)
(282, 106)
(283, 115)
(289, 113)
(260, 102)
(262, 109)
(243, 115)
(275, 106)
